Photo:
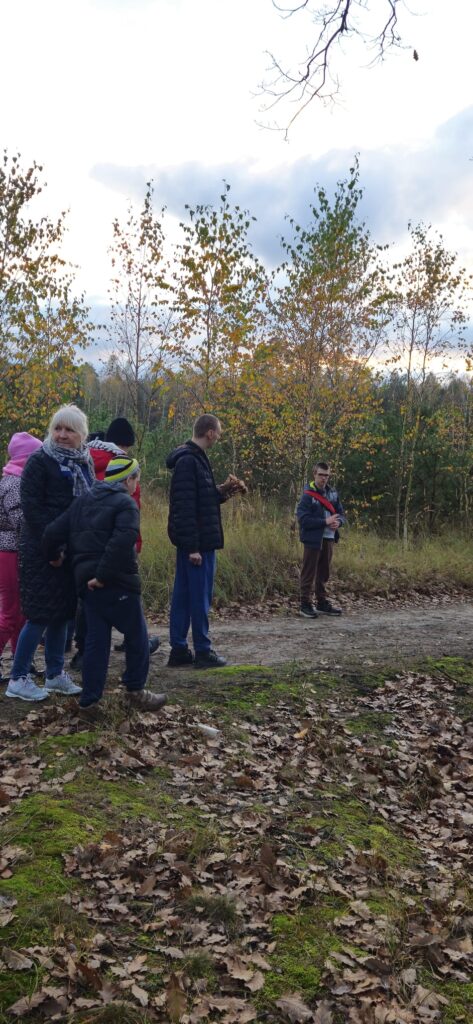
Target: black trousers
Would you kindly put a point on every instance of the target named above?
(106, 609)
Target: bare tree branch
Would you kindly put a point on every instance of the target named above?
(315, 76)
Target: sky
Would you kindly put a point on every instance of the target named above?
(107, 94)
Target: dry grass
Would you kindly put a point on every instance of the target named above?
(261, 558)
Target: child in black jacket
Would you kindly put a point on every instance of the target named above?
(98, 534)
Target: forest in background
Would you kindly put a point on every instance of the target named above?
(344, 352)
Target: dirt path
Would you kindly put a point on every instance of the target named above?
(368, 637)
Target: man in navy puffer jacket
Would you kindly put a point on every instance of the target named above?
(195, 529)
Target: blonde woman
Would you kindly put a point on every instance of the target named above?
(53, 477)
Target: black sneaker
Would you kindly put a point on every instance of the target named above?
(180, 657)
(154, 643)
(327, 608)
(76, 661)
(209, 659)
(308, 611)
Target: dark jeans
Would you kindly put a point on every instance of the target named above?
(191, 600)
(315, 572)
(54, 645)
(80, 627)
(105, 609)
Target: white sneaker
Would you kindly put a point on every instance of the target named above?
(62, 684)
(25, 688)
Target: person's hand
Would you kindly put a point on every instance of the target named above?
(95, 584)
(232, 485)
(225, 488)
(57, 562)
(333, 522)
(195, 558)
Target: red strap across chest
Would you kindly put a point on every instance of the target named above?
(323, 501)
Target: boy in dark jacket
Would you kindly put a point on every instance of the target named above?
(118, 440)
(195, 528)
(100, 532)
(320, 514)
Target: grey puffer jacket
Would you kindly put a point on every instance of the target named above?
(11, 516)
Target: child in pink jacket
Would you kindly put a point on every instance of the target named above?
(11, 619)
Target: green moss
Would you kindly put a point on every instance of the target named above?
(460, 1006)
(115, 801)
(459, 671)
(66, 742)
(370, 723)
(349, 821)
(359, 683)
(459, 995)
(303, 943)
(65, 752)
(48, 825)
(113, 1014)
(40, 878)
(252, 694)
(455, 668)
(217, 909)
(201, 965)
(13, 986)
(239, 670)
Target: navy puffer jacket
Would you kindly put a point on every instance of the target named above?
(195, 522)
(99, 532)
(311, 516)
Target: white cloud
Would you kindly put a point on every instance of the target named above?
(125, 86)
(430, 182)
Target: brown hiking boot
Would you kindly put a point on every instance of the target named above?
(145, 700)
(92, 714)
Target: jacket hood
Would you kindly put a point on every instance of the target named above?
(104, 446)
(100, 490)
(188, 448)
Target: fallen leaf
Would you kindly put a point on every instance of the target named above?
(293, 1008)
(16, 961)
(27, 1004)
(176, 1000)
(140, 995)
(323, 1013)
(256, 982)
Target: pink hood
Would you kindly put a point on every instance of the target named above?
(20, 448)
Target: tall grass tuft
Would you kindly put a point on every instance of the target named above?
(261, 559)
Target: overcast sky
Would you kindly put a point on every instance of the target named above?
(108, 93)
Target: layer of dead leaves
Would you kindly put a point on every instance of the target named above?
(389, 591)
(258, 790)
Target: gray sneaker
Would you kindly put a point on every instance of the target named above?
(145, 700)
(62, 684)
(25, 688)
